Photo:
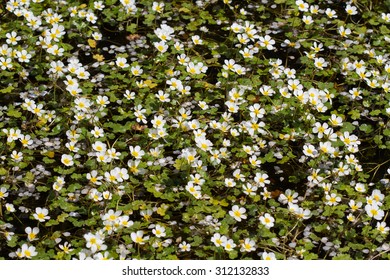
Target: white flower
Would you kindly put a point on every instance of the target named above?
(332, 199)
(159, 231)
(136, 70)
(248, 245)
(229, 245)
(3, 193)
(267, 220)
(161, 46)
(41, 214)
(102, 101)
(10, 207)
(193, 189)
(23, 56)
(267, 42)
(288, 196)
(249, 189)
(27, 251)
(67, 160)
(330, 13)
(351, 217)
(377, 196)
(218, 240)
(261, 179)
(351, 10)
(158, 7)
(164, 33)
(268, 256)
(136, 152)
(344, 32)
(385, 17)
(307, 20)
(97, 132)
(121, 62)
(12, 38)
(95, 241)
(320, 63)
(158, 122)
(66, 247)
(196, 39)
(17, 156)
(185, 247)
(31, 233)
(373, 211)
(238, 213)
(310, 150)
(381, 226)
(256, 111)
(138, 237)
(302, 6)
(229, 64)
(360, 187)
(5, 63)
(203, 143)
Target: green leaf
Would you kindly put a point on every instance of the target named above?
(347, 126)
(355, 114)
(12, 112)
(43, 188)
(197, 241)
(293, 179)
(74, 187)
(180, 164)
(321, 228)
(13, 242)
(90, 222)
(378, 139)
(8, 89)
(149, 18)
(224, 228)
(269, 157)
(375, 112)
(64, 171)
(111, 2)
(310, 256)
(51, 222)
(233, 254)
(384, 30)
(116, 127)
(61, 218)
(284, 160)
(131, 28)
(77, 176)
(342, 257)
(366, 128)
(48, 160)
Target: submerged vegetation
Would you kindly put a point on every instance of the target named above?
(210, 129)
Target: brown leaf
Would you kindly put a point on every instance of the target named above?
(133, 37)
